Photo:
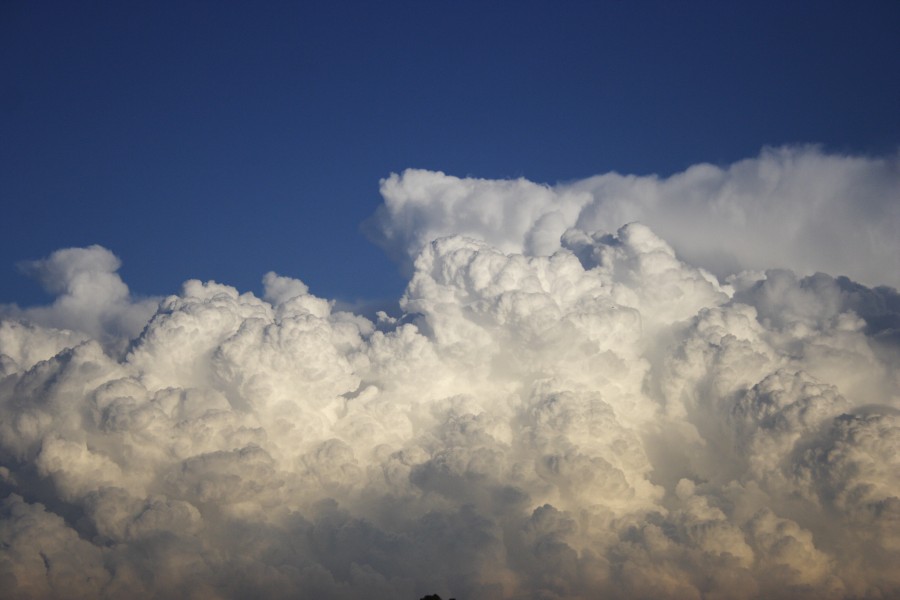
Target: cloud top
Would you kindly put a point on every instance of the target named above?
(794, 207)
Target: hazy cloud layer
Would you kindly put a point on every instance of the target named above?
(573, 417)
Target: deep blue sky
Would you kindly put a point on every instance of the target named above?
(220, 140)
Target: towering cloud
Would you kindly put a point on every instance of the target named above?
(565, 408)
(794, 207)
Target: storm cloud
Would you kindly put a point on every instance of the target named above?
(620, 387)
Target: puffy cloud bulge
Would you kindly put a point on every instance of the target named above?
(792, 207)
(593, 390)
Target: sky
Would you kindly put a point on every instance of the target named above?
(495, 301)
(223, 140)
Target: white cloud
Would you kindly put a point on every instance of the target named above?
(91, 298)
(797, 208)
(578, 416)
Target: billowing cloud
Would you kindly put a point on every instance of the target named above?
(564, 409)
(90, 298)
(795, 207)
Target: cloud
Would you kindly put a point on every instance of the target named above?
(91, 298)
(583, 416)
(794, 207)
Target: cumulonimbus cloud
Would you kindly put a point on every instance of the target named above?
(563, 410)
(793, 207)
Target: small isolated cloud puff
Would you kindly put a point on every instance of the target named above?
(592, 417)
(794, 207)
